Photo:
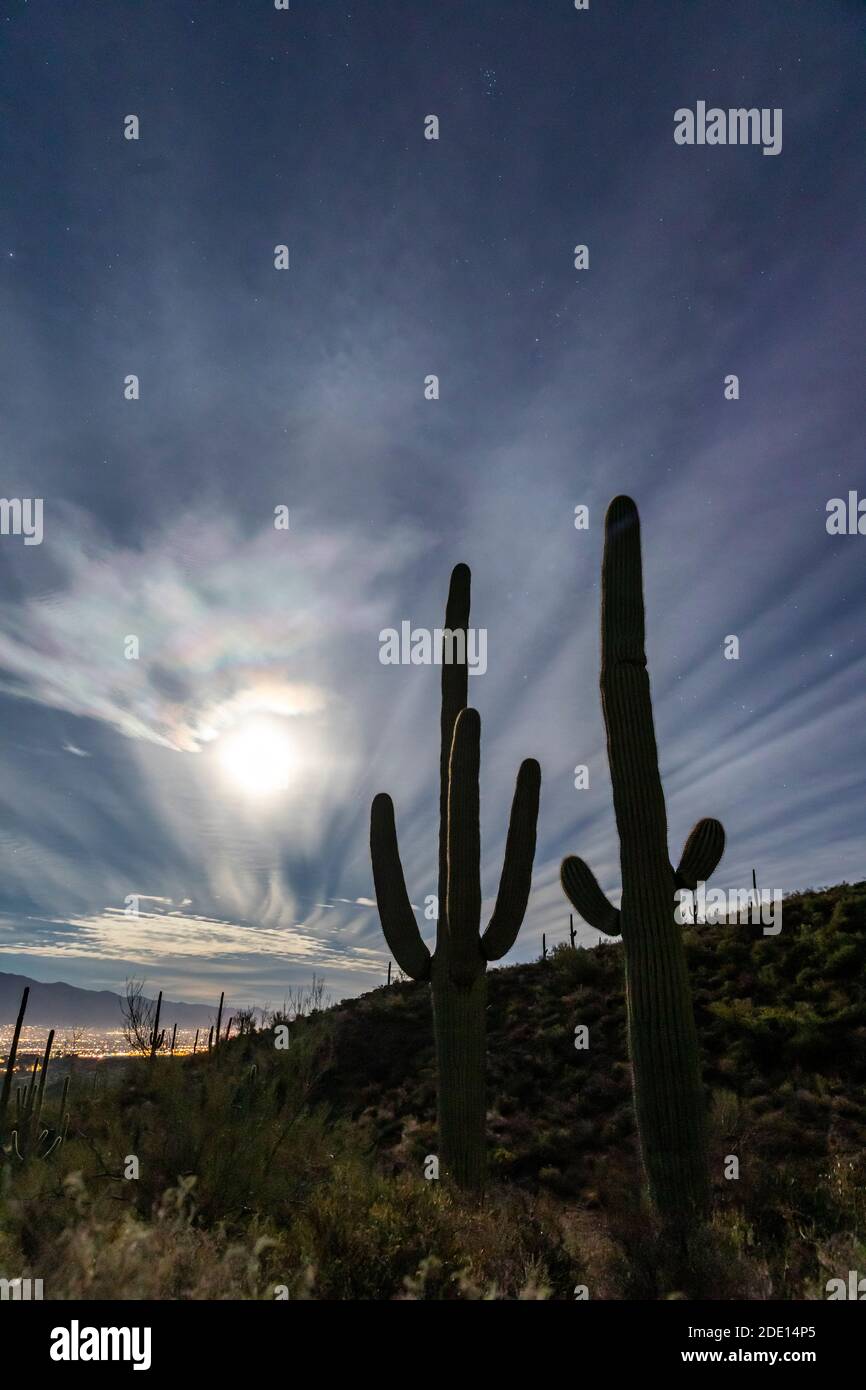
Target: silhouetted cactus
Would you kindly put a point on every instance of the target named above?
(31, 1089)
(216, 1039)
(156, 1038)
(668, 1092)
(43, 1073)
(28, 1139)
(457, 968)
(10, 1060)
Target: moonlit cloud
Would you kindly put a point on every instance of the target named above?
(217, 619)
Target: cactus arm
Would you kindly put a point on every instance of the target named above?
(455, 683)
(516, 877)
(463, 903)
(701, 854)
(581, 888)
(395, 911)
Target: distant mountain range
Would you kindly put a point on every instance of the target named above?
(67, 1006)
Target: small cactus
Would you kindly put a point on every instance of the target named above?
(10, 1061)
(31, 1089)
(216, 1040)
(46, 1058)
(29, 1139)
(156, 1038)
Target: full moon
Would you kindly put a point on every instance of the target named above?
(258, 757)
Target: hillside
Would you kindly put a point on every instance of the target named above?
(303, 1169)
(781, 1020)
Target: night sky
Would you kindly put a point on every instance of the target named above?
(305, 388)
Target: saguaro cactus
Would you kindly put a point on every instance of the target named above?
(457, 968)
(11, 1059)
(28, 1139)
(156, 1038)
(668, 1093)
(43, 1076)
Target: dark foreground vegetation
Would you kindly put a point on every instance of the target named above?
(300, 1173)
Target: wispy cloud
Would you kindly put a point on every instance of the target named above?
(175, 641)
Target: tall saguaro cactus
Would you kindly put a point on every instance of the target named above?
(457, 968)
(668, 1093)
